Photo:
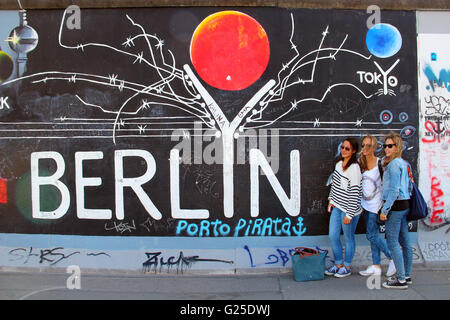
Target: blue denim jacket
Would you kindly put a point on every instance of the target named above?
(396, 184)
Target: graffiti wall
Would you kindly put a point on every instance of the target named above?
(434, 94)
(192, 123)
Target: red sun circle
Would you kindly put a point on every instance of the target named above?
(230, 50)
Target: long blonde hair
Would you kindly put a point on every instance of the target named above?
(395, 137)
(362, 157)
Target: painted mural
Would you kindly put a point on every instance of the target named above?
(193, 122)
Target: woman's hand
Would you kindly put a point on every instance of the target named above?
(383, 217)
(330, 207)
(347, 220)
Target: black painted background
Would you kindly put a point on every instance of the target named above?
(45, 102)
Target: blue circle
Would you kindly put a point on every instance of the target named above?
(383, 40)
(403, 117)
(386, 117)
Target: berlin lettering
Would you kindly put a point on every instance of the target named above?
(258, 163)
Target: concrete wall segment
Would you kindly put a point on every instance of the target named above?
(153, 247)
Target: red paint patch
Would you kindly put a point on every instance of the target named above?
(230, 50)
(3, 191)
(437, 203)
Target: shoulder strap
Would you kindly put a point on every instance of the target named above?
(380, 168)
(409, 171)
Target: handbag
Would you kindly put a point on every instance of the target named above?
(418, 208)
(381, 223)
(308, 264)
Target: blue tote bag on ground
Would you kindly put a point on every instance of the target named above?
(308, 264)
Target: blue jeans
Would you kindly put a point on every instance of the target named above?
(377, 243)
(398, 242)
(336, 225)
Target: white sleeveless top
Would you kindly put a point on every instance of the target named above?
(371, 190)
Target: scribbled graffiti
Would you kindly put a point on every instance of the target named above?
(205, 180)
(438, 173)
(442, 80)
(434, 171)
(46, 256)
(435, 251)
(363, 255)
(436, 131)
(93, 254)
(156, 262)
(437, 201)
(155, 226)
(121, 226)
(437, 119)
(436, 106)
(278, 257)
(282, 257)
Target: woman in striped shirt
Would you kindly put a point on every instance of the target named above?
(345, 207)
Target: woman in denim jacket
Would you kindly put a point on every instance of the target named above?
(396, 194)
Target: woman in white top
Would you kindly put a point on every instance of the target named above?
(371, 203)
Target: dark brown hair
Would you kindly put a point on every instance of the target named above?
(355, 146)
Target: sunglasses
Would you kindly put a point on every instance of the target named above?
(390, 145)
(346, 148)
(366, 145)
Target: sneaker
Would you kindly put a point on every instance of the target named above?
(343, 272)
(391, 269)
(331, 271)
(371, 270)
(394, 283)
(408, 280)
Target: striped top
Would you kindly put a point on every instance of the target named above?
(346, 189)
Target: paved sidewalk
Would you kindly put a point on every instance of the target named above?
(428, 284)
